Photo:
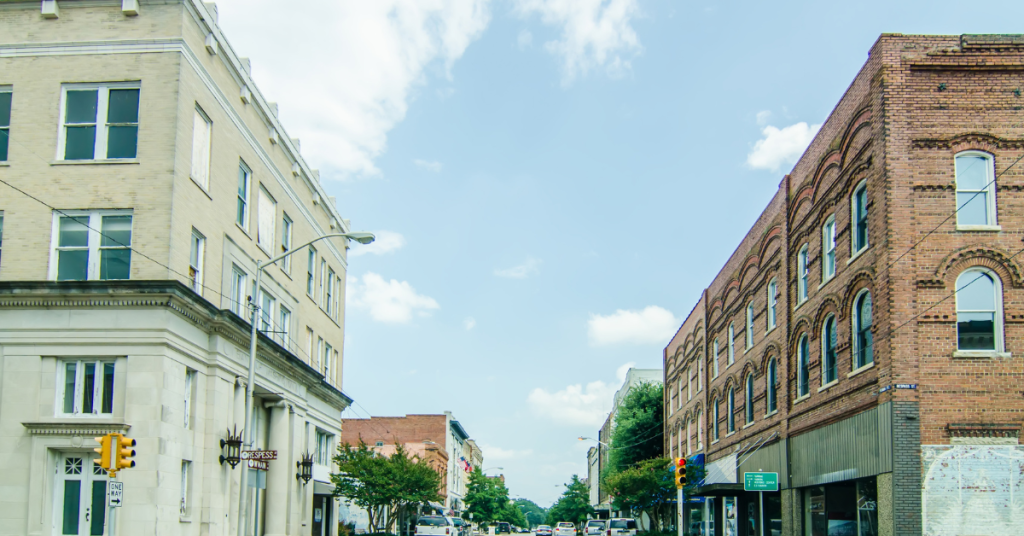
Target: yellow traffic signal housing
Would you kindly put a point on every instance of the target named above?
(123, 453)
(104, 452)
(680, 472)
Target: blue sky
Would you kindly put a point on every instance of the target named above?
(548, 179)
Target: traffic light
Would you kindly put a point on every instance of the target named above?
(122, 453)
(104, 452)
(680, 472)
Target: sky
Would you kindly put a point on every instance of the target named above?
(547, 180)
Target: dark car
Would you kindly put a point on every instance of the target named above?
(502, 527)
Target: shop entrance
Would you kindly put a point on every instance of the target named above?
(322, 515)
(842, 509)
(80, 497)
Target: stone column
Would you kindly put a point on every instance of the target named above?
(278, 481)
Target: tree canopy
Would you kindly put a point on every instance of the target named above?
(535, 515)
(383, 485)
(487, 499)
(638, 433)
(573, 505)
(643, 488)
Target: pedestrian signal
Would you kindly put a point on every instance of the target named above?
(680, 472)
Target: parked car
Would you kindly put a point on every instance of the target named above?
(502, 527)
(543, 530)
(435, 526)
(565, 529)
(461, 527)
(621, 526)
(594, 527)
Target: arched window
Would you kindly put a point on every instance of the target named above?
(828, 249)
(863, 351)
(802, 272)
(672, 445)
(773, 297)
(750, 325)
(730, 418)
(700, 373)
(732, 345)
(714, 420)
(749, 399)
(803, 364)
(979, 311)
(829, 371)
(700, 430)
(859, 219)
(714, 358)
(975, 189)
(770, 386)
(689, 434)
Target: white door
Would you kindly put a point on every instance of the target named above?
(80, 497)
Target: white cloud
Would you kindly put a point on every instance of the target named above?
(528, 268)
(386, 242)
(763, 116)
(595, 33)
(781, 146)
(576, 404)
(428, 165)
(525, 39)
(469, 323)
(345, 74)
(621, 372)
(493, 453)
(652, 325)
(392, 302)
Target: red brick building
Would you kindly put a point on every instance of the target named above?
(864, 340)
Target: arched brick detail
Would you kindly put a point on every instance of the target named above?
(862, 279)
(829, 305)
(831, 161)
(803, 195)
(769, 237)
(771, 350)
(734, 287)
(999, 261)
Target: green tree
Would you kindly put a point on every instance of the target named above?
(573, 505)
(486, 497)
(535, 515)
(384, 486)
(643, 488)
(512, 514)
(638, 433)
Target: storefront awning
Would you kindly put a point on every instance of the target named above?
(719, 490)
(322, 488)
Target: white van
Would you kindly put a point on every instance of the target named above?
(621, 526)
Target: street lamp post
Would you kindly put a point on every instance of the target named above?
(243, 500)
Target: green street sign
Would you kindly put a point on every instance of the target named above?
(760, 481)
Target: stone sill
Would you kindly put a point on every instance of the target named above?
(979, 228)
(865, 368)
(983, 354)
(828, 385)
(95, 162)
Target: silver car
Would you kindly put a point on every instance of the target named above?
(594, 527)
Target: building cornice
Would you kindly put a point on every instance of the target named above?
(75, 428)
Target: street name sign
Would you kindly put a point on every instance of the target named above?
(760, 481)
(259, 455)
(262, 465)
(115, 493)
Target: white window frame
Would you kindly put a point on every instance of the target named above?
(268, 306)
(310, 337)
(730, 419)
(689, 383)
(714, 360)
(750, 326)
(773, 301)
(700, 373)
(266, 221)
(329, 298)
(311, 271)
(992, 222)
(244, 172)
(689, 436)
(328, 349)
(285, 316)
(5, 130)
(102, 106)
(323, 443)
(319, 352)
(855, 224)
(323, 286)
(190, 380)
(803, 366)
(732, 343)
(196, 258)
(715, 430)
(286, 242)
(95, 239)
(700, 430)
(824, 350)
(748, 396)
(200, 168)
(855, 328)
(771, 395)
(238, 290)
(184, 508)
(79, 386)
(828, 249)
(997, 326)
(802, 274)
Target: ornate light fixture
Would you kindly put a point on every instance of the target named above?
(305, 468)
(232, 448)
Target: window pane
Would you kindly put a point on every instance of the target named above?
(115, 263)
(117, 231)
(971, 172)
(122, 142)
(72, 265)
(972, 208)
(5, 109)
(88, 387)
(976, 331)
(123, 106)
(74, 232)
(72, 503)
(79, 143)
(5, 133)
(69, 387)
(108, 388)
(81, 107)
(975, 291)
(99, 507)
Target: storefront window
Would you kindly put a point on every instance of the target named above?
(842, 509)
(729, 515)
(867, 507)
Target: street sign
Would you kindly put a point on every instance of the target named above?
(262, 465)
(115, 493)
(259, 455)
(760, 481)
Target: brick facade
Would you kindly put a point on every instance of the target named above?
(390, 430)
(916, 103)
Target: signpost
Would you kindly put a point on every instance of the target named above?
(258, 461)
(116, 494)
(761, 482)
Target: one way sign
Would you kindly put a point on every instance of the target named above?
(115, 493)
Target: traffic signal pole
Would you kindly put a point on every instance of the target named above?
(679, 511)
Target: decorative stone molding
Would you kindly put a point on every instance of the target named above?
(72, 428)
(973, 139)
(997, 259)
(984, 433)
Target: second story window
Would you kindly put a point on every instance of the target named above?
(267, 220)
(242, 210)
(5, 122)
(975, 189)
(330, 292)
(714, 420)
(238, 291)
(322, 452)
(286, 243)
(859, 218)
(266, 312)
(802, 275)
(749, 402)
(91, 245)
(99, 122)
(732, 344)
(197, 250)
(323, 285)
(202, 136)
(862, 343)
(771, 385)
(828, 249)
(310, 271)
(714, 358)
(803, 365)
(979, 312)
(85, 387)
(750, 326)
(730, 409)
(829, 370)
(190, 380)
(773, 300)
(328, 352)
(285, 327)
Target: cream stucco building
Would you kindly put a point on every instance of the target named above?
(144, 176)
